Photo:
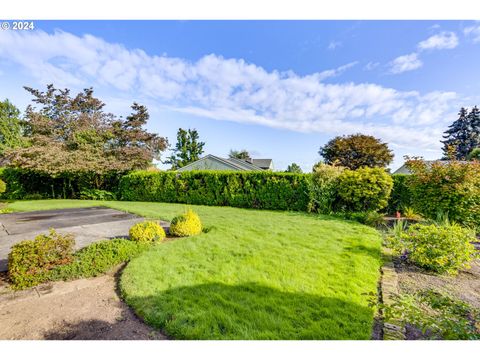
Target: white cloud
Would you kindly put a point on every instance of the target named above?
(474, 32)
(371, 66)
(234, 90)
(443, 40)
(335, 72)
(334, 44)
(405, 63)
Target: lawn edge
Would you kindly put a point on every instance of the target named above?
(392, 330)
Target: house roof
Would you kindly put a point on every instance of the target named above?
(245, 165)
(236, 164)
(405, 170)
(263, 163)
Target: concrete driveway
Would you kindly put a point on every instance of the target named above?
(87, 224)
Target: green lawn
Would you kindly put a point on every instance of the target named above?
(253, 275)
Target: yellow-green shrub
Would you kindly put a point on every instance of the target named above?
(3, 186)
(186, 224)
(440, 248)
(30, 261)
(364, 189)
(147, 232)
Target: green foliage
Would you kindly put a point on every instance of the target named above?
(474, 154)
(67, 135)
(463, 135)
(356, 151)
(411, 214)
(147, 232)
(29, 261)
(437, 316)
(239, 154)
(3, 186)
(11, 129)
(452, 188)
(439, 248)
(187, 224)
(323, 185)
(248, 189)
(187, 149)
(400, 197)
(28, 184)
(294, 168)
(365, 189)
(96, 194)
(97, 258)
(370, 218)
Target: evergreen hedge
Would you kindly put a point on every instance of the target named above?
(28, 184)
(246, 189)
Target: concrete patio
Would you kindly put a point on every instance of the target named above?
(87, 224)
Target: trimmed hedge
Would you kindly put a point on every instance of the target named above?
(27, 184)
(258, 190)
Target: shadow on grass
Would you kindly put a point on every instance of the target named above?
(373, 252)
(251, 311)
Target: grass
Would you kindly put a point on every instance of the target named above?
(252, 275)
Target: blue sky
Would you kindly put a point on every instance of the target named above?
(280, 89)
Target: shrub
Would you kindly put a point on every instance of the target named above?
(3, 186)
(35, 196)
(370, 218)
(147, 232)
(246, 189)
(96, 194)
(474, 154)
(436, 315)
(29, 261)
(410, 214)
(97, 258)
(443, 249)
(452, 188)
(400, 197)
(365, 189)
(323, 187)
(187, 224)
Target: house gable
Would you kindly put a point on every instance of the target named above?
(211, 162)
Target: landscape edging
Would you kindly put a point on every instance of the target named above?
(393, 329)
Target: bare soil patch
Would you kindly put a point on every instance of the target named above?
(85, 309)
(465, 287)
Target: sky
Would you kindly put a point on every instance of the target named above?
(280, 89)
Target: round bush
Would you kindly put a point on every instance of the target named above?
(440, 248)
(186, 224)
(147, 232)
(365, 189)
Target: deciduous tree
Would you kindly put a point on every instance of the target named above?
(355, 151)
(69, 135)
